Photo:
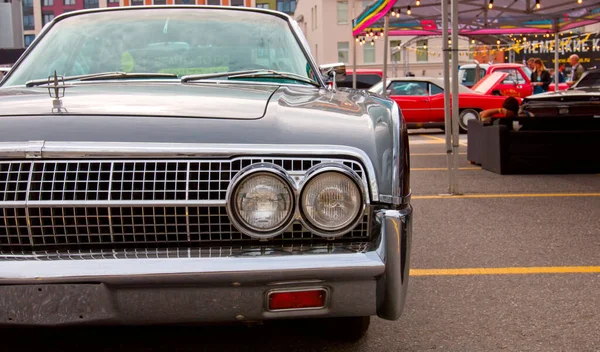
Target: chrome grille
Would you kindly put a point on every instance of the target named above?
(66, 203)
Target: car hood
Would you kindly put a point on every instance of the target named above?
(489, 83)
(291, 115)
(204, 100)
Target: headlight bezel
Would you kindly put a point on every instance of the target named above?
(244, 174)
(334, 168)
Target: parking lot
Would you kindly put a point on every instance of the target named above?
(529, 252)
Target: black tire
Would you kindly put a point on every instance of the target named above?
(463, 118)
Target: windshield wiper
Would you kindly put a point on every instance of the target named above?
(103, 75)
(250, 74)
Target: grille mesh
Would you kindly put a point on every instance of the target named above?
(74, 203)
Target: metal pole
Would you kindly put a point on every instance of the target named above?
(353, 50)
(556, 45)
(447, 116)
(354, 64)
(385, 51)
(455, 141)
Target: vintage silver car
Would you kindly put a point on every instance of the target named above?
(193, 165)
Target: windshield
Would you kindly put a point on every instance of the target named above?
(591, 80)
(527, 71)
(377, 88)
(177, 41)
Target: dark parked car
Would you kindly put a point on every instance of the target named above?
(185, 164)
(580, 100)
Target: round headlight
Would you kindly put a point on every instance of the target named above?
(263, 203)
(331, 201)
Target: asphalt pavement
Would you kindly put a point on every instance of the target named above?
(527, 249)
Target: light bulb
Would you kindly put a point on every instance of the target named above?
(408, 11)
(418, 3)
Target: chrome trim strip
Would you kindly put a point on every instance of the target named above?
(394, 250)
(110, 203)
(93, 150)
(138, 269)
(396, 188)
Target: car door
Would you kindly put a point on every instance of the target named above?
(510, 86)
(412, 98)
(436, 102)
(524, 84)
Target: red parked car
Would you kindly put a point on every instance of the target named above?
(421, 99)
(516, 84)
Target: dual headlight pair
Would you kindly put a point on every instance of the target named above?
(263, 200)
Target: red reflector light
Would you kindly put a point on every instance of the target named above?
(297, 299)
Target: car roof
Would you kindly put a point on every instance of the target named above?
(161, 7)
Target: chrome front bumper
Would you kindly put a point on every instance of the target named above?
(191, 290)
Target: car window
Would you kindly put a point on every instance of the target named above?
(513, 76)
(363, 81)
(408, 88)
(467, 75)
(167, 41)
(591, 80)
(434, 89)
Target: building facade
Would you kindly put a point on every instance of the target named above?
(11, 25)
(327, 25)
(36, 13)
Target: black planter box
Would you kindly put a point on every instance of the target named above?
(541, 146)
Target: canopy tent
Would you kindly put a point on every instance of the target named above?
(477, 19)
(471, 18)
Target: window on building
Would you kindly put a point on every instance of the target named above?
(263, 6)
(90, 4)
(69, 2)
(27, 3)
(365, 4)
(395, 53)
(185, 2)
(47, 17)
(137, 2)
(28, 39)
(343, 52)
(160, 2)
(369, 53)
(287, 6)
(213, 2)
(28, 22)
(316, 20)
(47, 3)
(237, 2)
(312, 18)
(422, 50)
(342, 12)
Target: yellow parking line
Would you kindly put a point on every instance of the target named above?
(508, 195)
(440, 139)
(442, 168)
(506, 271)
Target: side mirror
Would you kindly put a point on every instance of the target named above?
(337, 70)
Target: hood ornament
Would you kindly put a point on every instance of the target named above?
(56, 90)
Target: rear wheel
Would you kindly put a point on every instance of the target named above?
(464, 117)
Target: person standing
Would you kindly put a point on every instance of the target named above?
(561, 74)
(576, 69)
(531, 63)
(540, 78)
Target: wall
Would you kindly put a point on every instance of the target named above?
(11, 25)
